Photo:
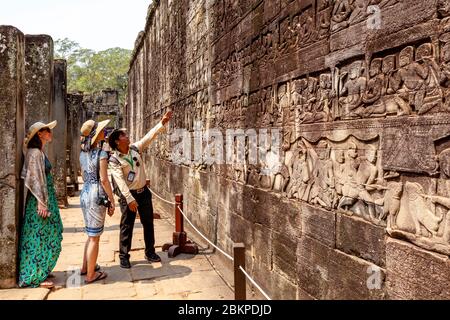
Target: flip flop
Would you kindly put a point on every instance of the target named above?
(102, 275)
(47, 285)
(97, 267)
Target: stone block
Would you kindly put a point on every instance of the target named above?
(326, 273)
(285, 255)
(416, 274)
(319, 224)
(12, 74)
(362, 239)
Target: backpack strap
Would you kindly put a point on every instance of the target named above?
(134, 148)
(114, 160)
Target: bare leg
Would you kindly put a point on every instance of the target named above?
(84, 266)
(92, 254)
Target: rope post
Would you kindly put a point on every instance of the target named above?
(180, 243)
(179, 227)
(239, 278)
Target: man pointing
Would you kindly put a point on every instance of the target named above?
(129, 180)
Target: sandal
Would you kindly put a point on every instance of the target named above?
(47, 284)
(97, 267)
(101, 275)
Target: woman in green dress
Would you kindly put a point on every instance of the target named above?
(41, 234)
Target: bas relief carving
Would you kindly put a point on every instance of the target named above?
(363, 137)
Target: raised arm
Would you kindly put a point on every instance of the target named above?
(153, 133)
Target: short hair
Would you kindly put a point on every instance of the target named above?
(115, 135)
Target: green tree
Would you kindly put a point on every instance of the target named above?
(91, 71)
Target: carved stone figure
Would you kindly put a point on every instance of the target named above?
(349, 183)
(391, 203)
(359, 11)
(410, 79)
(322, 112)
(310, 100)
(443, 8)
(415, 215)
(433, 92)
(323, 20)
(352, 91)
(341, 12)
(322, 189)
(445, 69)
(300, 176)
(338, 174)
(378, 104)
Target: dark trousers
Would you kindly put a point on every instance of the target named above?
(145, 209)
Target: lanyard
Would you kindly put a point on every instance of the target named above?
(130, 161)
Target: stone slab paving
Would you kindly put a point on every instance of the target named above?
(185, 277)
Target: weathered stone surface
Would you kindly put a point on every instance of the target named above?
(415, 274)
(12, 73)
(357, 237)
(74, 117)
(285, 255)
(59, 113)
(24, 294)
(319, 224)
(326, 273)
(38, 79)
(362, 95)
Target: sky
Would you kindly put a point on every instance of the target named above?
(94, 24)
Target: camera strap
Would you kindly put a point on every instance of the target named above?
(98, 173)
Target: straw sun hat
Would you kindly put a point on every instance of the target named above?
(35, 128)
(93, 129)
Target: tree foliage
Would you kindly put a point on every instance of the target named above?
(89, 71)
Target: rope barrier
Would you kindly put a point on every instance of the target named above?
(254, 283)
(220, 250)
(159, 197)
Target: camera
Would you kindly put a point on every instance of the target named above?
(104, 201)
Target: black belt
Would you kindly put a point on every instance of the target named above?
(138, 191)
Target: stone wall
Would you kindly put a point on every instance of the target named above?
(12, 75)
(103, 105)
(360, 207)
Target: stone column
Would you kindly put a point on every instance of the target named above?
(75, 105)
(39, 83)
(12, 72)
(60, 132)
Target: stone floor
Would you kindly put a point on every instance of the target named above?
(185, 277)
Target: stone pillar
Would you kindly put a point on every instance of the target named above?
(75, 106)
(59, 113)
(12, 72)
(39, 83)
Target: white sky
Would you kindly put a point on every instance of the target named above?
(94, 24)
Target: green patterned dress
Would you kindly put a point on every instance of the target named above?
(40, 240)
